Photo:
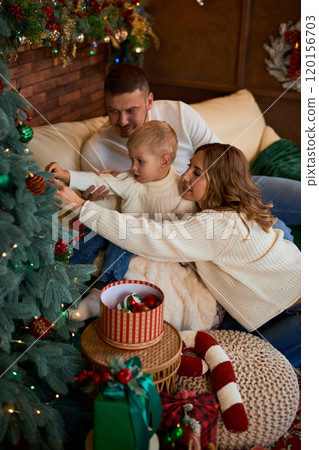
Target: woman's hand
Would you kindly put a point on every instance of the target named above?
(70, 199)
(99, 194)
(59, 173)
(102, 191)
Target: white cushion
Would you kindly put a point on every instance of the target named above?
(236, 119)
(62, 142)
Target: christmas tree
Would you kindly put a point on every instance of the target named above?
(37, 358)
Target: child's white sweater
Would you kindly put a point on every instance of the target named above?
(160, 199)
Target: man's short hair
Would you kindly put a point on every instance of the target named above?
(126, 78)
(158, 136)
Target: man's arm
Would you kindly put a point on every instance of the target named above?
(105, 149)
(91, 158)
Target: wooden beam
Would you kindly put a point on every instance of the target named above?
(243, 43)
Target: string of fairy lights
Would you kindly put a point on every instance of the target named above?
(63, 24)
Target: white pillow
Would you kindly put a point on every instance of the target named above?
(236, 119)
(62, 142)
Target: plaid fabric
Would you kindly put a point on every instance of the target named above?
(292, 36)
(205, 411)
(220, 314)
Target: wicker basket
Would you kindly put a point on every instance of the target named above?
(162, 360)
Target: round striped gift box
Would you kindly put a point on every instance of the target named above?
(130, 331)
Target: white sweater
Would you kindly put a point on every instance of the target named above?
(160, 199)
(107, 150)
(254, 279)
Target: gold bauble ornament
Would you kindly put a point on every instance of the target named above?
(80, 38)
(106, 39)
(139, 49)
(121, 35)
(22, 40)
(54, 35)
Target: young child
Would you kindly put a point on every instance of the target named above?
(152, 186)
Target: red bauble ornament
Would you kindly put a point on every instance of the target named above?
(124, 376)
(60, 246)
(35, 184)
(1, 84)
(40, 327)
(151, 301)
(140, 308)
(106, 376)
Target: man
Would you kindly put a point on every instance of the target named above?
(130, 103)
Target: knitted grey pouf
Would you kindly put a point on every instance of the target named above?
(268, 386)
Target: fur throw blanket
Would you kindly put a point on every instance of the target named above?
(188, 303)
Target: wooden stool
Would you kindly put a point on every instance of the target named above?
(162, 360)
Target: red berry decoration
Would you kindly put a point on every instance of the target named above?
(124, 376)
(106, 376)
(140, 308)
(151, 301)
(35, 184)
(96, 379)
(40, 327)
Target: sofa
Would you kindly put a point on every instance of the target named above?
(236, 119)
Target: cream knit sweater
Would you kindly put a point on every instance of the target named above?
(253, 278)
(160, 199)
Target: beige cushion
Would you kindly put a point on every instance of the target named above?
(62, 142)
(269, 137)
(236, 119)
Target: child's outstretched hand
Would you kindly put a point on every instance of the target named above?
(59, 173)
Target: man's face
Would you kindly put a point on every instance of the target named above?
(128, 111)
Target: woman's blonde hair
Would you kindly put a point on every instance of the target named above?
(158, 136)
(230, 186)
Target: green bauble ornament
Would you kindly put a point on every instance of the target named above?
(26, 133)
(177, 433)
(4, 181)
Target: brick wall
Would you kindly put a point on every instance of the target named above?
(61, 94)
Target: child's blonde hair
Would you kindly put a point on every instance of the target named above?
(158, 136)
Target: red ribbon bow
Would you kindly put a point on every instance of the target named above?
(205, 410)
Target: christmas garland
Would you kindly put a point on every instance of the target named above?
(284, 61)
(123, 24)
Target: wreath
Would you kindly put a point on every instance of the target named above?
(285, 56)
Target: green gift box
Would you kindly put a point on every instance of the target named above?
(112, 424)
(122, 413)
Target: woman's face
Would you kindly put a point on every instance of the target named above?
(195, 179)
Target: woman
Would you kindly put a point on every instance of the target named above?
(246, 264)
